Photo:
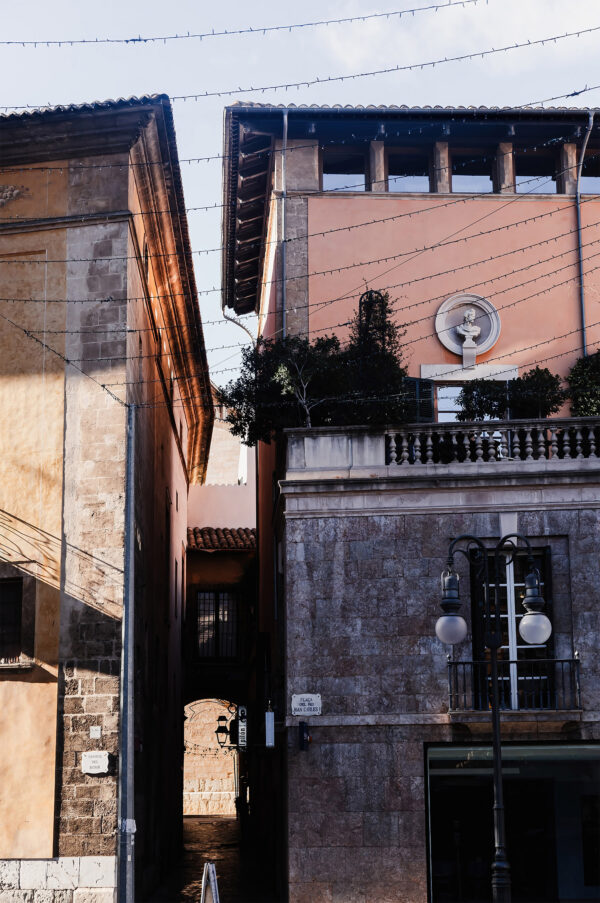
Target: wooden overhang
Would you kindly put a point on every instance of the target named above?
(250, 130)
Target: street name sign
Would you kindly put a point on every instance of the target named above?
(306, 704)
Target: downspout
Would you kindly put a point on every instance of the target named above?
(126, 873)
(283, 235)
(590, 126)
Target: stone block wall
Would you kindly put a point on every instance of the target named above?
(93, 537)
(208, 770)
(362, 599)
(86, 879)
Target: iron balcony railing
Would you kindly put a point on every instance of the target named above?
(550, 684)
(560, 440)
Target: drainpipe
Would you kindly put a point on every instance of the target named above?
(126, 879)
(590, 126)
(284, 243)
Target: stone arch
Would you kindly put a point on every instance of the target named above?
(210, 773)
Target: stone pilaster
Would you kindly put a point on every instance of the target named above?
(504, 169)
(566, 177)
(377, 173)
(441, 177)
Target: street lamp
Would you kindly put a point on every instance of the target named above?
(534, 628)
(222, 731)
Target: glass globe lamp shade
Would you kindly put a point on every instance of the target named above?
(451, 629)
(535, 628)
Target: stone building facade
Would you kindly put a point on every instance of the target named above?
(364, 549)
(480, 225)
(98, 314)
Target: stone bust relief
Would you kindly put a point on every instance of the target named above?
(467, 330)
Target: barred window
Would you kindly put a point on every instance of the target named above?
(218, 621)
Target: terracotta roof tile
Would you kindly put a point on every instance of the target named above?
(217, 539)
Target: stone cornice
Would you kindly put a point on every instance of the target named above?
(165, 225)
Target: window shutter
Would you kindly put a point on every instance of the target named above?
(419, 400)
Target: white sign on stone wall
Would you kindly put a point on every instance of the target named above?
(306, 704)
(95, 762)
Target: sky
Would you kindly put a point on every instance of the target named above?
(75, 74)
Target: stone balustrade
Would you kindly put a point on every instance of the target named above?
(447, 447)
(517, 440)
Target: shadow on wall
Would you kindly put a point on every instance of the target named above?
(89, 579)
(210, 773)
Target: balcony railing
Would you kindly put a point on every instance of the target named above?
(539, 684)
(493, 441)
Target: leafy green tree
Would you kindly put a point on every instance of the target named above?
(584, 386)
(481, 399)
(536, 394)
(374, 381)
(283, 383)
(293, 382)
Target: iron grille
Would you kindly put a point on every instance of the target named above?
(218, 625)
(529, 684)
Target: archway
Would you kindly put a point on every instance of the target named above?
(210, 771)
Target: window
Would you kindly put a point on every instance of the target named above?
(447, 403)
(11, 595)
(344, 170)
(525, 671)
(552, 826)
(590, 174)
(408, 172)
(472, 172)
(535, 173)
(218, 617)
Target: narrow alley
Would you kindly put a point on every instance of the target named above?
(214, 839)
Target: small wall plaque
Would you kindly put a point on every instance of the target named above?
(95, 762)
(306, 704)
(95, 732)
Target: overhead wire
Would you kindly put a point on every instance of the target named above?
(125, 330)
(235, 32)
(331, 79)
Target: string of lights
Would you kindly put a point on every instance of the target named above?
(62, 357)
(423, 302)
(331, 79)
(235, 32)
(431, 208)
(414, 322)
(353, 398)
(123, 329)
(271, 151)
(535, 181)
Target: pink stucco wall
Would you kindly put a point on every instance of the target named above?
(535, 289)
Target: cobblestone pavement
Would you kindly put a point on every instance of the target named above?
(216, 839)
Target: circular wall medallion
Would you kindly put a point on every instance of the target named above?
(484, 326)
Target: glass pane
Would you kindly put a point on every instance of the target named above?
(447, 397)
(535, 174)
(344, 171)
(408, 173)
(333, 181)
(590, 185)
(417, 184)
(475, 184)
(228, 613)
(206, 625)
(471, 173)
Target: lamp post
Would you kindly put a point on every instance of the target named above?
(451, 628)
